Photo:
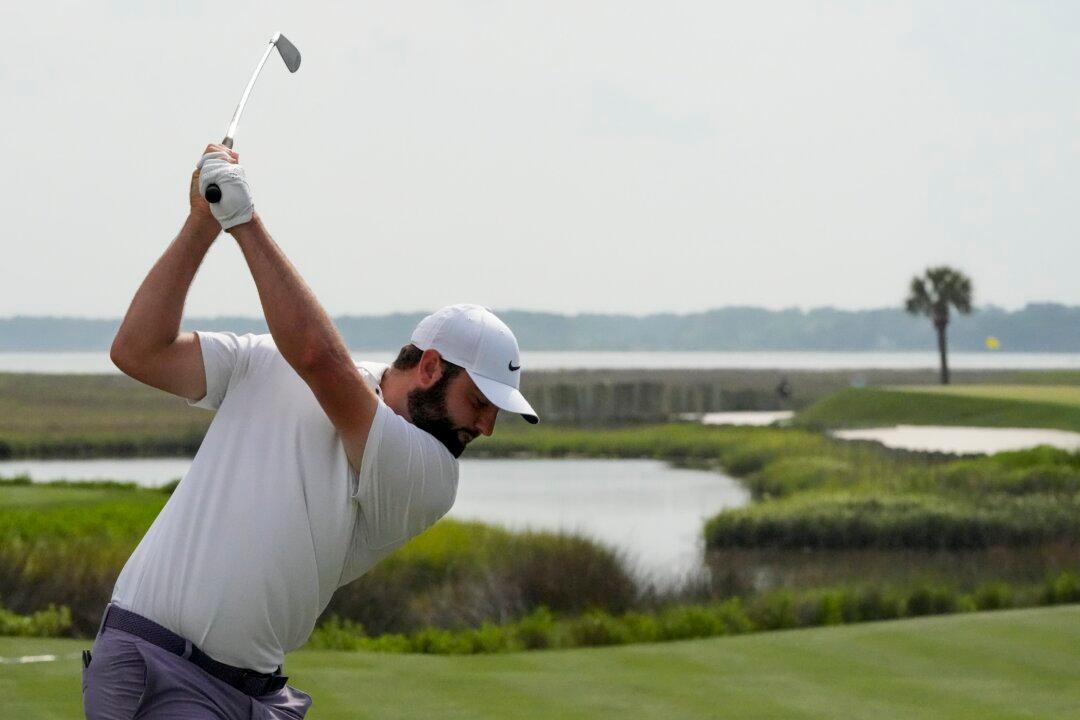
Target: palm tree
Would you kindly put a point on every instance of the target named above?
(932, 294)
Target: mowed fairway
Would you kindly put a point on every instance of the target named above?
(1057, 394)
(1026, 406)
(1022, 663)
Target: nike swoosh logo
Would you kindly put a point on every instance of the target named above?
(511, 366)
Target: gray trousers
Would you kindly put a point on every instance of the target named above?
(129, 677)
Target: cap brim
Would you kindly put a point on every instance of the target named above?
(504, 397)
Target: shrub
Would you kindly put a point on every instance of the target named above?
(435, 641)
(774, 611)
(874, 604)
(391, 643)
(597, 627)
(334, 633)
(536, 630)
(831, 608)
(1063, 588)
(993, 596)
(51, 622)
(788, 475)
(642, 628)
(464, 574)
(931, 601)
(692, 621)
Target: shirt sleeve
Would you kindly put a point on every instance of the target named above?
(226, 359)
(407, 480)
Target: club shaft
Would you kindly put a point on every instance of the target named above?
(231, 132)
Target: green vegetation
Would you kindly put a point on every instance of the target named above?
(842, 521)
(65, 544)
(1053, 394)
(814, 494)
(776, 610)
(978, 406)
(97, 415)
(1044, 377)
(825, 500)
(994, 666)
(51, 622)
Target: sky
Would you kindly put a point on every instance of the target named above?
(624, 156)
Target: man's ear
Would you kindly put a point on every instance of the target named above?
(429, 369)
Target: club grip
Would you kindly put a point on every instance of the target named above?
(213, 192)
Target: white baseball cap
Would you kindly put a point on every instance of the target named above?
(472, 337)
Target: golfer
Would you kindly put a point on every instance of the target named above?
(314, 469)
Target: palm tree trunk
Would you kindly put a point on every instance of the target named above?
(943, 351)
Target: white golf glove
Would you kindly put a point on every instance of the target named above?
(236, 204)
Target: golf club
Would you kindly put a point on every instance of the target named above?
(291, 56)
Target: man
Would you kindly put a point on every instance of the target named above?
(313, 469)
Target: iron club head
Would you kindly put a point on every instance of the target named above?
(288, 51)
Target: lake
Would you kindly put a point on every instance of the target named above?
(650, 511)
(759, 418)
(98, 362)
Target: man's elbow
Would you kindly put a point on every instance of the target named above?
(121, 356)
(126, 356)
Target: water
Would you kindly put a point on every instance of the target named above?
(98, 362)
(963, 440)
(758, 418)
(651, 511)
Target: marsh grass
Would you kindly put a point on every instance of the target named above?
(93, 416)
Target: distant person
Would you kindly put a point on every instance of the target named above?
(783, 390)
(314, 469)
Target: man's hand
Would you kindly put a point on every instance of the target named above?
(200, 213)
(218, 166)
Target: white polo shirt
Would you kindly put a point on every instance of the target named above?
(271, 519)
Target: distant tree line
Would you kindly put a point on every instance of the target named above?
(1041, 327)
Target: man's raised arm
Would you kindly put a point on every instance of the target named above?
(149, 345)
(307, 339)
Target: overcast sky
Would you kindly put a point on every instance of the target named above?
(579, 156)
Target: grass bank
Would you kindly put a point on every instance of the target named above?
(1047, 406)
(987, 665)
(64, 545)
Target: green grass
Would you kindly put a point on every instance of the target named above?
(1054, 394)
(983, 665)
(977, 405)
(1039, 377)
(94, 415)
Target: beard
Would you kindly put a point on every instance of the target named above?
(428, 411)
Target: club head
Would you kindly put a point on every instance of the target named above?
(288, 51)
